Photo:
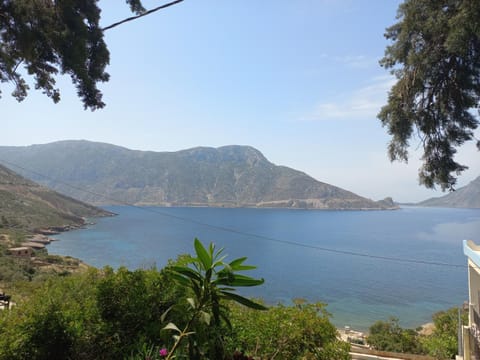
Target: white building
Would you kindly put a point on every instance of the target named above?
(471, 333)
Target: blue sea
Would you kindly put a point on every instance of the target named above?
(342, 258)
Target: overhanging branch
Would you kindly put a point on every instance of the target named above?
(141, 15)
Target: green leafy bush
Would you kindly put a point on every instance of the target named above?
(286, 332)
(97, 315)
(114, 314)
(59, 321)
(443, 342)
(131, 304)
(389, 336)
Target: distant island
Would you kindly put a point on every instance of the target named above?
(229, 176)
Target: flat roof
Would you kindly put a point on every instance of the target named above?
(34, 245)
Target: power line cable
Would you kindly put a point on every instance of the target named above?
(243, 233)
(147, 12)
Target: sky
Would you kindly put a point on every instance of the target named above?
(298, 80)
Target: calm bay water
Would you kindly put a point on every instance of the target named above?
(359, 290)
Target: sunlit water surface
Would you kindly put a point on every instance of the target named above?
(290, 249)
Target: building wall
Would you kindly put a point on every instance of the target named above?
(21, 252)
(474, 290)
(471, 335)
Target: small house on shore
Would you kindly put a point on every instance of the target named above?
(24, 251)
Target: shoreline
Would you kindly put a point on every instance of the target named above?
(267, 205)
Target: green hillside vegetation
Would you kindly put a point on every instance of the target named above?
(156, 314)
(442, 343)
(26, 205)
(227, 176)
(123, 314)
(464, 197)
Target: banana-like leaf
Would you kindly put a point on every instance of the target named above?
(172, 326)
(219, 262)
(211, 248)
(226, 273)
(219, 252)
(242, 300)
(186, 271)
(191, 301)
(164, 315)
(238, 261)
(205, 317)
(227, 289)
(239, 280)
(202, 254)
(245, 267)
(181, 279)
(236, 265)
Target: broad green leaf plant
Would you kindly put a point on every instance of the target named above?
(211, 281)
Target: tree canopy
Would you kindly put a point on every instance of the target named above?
(435, 56)
(48, 38)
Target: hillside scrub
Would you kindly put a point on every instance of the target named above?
(114, 314)
(96, 315)
(441, 344)
(302, 331)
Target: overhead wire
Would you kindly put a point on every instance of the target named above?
(240, 232)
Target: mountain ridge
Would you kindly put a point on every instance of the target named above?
(232, 175)
(467, 196)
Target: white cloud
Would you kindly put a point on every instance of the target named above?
(351, 61)
(357, 61)
(362, 103)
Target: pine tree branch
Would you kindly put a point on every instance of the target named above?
(141, 15)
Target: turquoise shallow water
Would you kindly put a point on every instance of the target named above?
(290, 252)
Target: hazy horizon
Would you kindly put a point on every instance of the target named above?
(204, 146)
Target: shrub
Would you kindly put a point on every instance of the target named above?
(96, 315)
(286, 332)
(389, 336)
(443, 342)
